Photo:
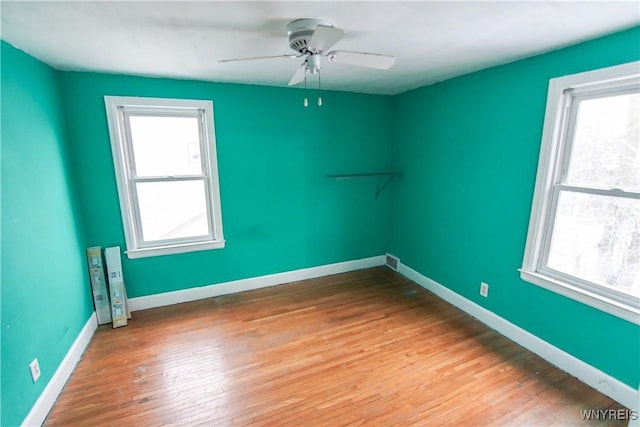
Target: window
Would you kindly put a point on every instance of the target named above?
(584, 232)
(164, 154)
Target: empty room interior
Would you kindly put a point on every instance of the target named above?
(320, 213)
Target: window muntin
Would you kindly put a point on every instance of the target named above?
(165, 158)
(584, 233)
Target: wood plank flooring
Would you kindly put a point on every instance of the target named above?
(361, 348)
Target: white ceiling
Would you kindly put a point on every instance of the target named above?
(432, 40)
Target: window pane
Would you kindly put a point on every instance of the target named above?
(166, 146)
(171, 210)
(606, 147)
(597, 238)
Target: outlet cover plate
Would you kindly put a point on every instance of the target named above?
(484, 289)
(35, 370)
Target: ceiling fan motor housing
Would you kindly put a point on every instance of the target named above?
(300, 32)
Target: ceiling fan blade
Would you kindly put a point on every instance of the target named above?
(324, 38)
(299, 74)
(292, 55)
(362, 59)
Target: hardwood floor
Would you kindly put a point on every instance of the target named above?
(361, 348)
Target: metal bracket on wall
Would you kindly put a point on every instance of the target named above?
(379, 188)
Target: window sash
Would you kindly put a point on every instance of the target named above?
(142, 243)
(570, 110)
(542, 267)
(126, 114)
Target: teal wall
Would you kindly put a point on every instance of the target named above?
(469, 150)
(280, 212)
(45, 294)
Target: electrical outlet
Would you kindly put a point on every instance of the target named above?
(35, 370)
(484, 289)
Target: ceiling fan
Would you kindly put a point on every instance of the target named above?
(312, 38)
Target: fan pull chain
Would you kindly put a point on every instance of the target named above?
(319, 97)
(306, 101)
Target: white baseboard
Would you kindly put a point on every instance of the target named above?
(193, 294)
(586, 373)
(51, 392)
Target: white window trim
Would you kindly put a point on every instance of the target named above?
(122, 154)
(549, 171)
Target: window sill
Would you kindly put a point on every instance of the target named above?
(174, 249)
(615, 308)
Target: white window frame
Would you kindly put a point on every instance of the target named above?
(563, 93)
(118, 109)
